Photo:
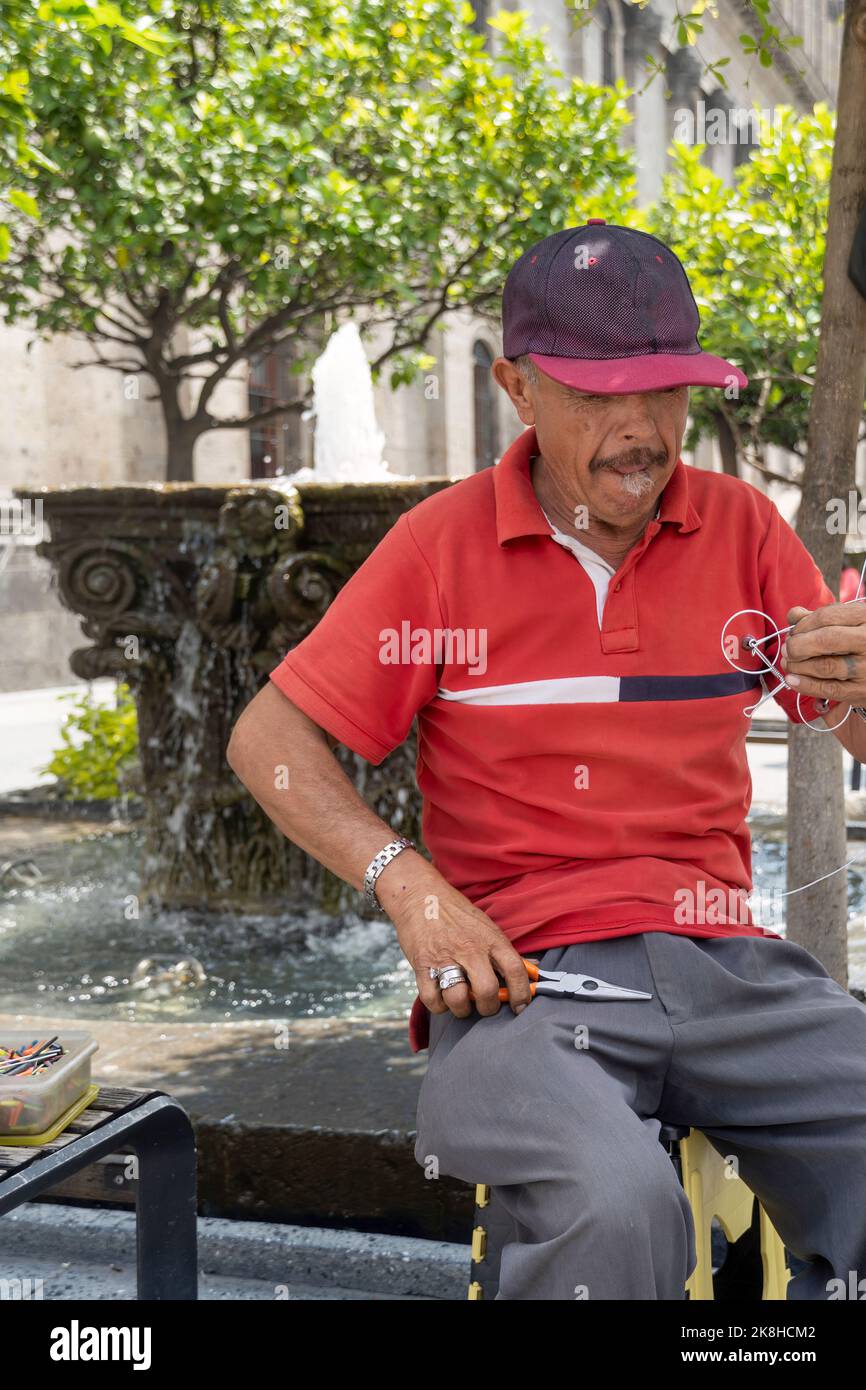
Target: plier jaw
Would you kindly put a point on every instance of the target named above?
(580, 986)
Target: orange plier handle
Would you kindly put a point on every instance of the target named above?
(532, 972)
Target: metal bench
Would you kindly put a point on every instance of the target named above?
(158, 1132)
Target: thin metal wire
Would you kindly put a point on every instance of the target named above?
(770, 666)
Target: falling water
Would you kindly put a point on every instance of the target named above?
(348, 441)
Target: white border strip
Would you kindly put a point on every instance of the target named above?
(567, 690)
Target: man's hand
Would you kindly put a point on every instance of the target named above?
(437, 926)
(320, 810)
(825, 655)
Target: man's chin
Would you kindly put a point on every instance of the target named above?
(631, 492)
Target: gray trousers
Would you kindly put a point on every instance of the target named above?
(747, 1039)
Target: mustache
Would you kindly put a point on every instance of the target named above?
(641, 456)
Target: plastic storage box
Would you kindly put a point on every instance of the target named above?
(31, 1104)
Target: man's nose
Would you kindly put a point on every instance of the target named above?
(638, 423)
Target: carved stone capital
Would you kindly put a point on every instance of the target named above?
(302, 586)
(259, 521)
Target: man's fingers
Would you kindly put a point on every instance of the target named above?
(480, 979)
(829, 615)
(834, 668)
(429, 990)
(513, 971)
(852, 692)
(851, 614)
(485, 985)
(440, 1001)
(827, 640)
(456, 998)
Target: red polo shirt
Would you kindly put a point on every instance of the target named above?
(579, 780)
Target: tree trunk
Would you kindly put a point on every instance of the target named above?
(180, 447)
(181, 434)
(727, 445)
(817, 918)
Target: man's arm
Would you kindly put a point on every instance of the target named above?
(825, 657)
(321, 811)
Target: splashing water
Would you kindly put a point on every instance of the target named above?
(67, 946)
(348, 442)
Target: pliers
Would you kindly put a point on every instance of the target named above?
(576, 986)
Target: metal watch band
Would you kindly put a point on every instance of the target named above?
(858, 709)
(378, 863)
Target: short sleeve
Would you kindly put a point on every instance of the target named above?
(361, 674)
(790, 579)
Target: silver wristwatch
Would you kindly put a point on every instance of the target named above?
(378, 863)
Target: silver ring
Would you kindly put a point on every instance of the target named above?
(433, 972)
(449, 984)
(447, 972)
(451, 975)
(851, 663)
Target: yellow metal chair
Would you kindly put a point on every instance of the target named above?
(714, 1192)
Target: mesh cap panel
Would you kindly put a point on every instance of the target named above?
(599, 292)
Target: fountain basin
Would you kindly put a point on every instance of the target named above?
(192, 594)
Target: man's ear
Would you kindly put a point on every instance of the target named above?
(513, 382)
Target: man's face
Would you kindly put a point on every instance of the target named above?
(617, 451)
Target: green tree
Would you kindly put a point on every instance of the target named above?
(283, 163)
(755, 253)
(26, 27)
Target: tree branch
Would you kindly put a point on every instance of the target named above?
(272, 413)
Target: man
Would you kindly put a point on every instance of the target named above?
(556, 623)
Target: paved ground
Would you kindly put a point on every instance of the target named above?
(344, 1074)
(88, 1253)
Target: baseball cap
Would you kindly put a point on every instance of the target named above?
(608, 309)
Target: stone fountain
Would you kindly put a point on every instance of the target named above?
(192, 594)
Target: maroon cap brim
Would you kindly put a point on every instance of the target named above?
(620, 376)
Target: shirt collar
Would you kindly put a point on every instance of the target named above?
(518, 511)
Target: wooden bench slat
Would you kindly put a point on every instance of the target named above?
(108, 1103)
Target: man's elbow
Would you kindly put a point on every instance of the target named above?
(239, 750)
(270, 720)
(236, 750)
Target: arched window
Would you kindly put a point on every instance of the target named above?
(485, 407)
(275, 444)
(608, 44)
(482, 14)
